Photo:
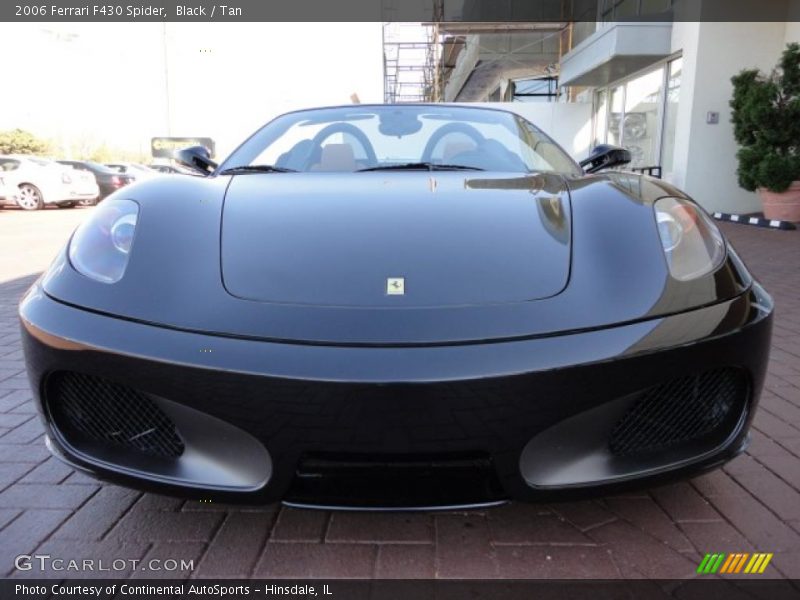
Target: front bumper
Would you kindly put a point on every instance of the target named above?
(297, 413)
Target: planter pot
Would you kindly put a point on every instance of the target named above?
(783, 206)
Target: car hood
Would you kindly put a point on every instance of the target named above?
(409, 239)
(182, 275)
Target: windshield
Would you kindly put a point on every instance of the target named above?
(356, 138)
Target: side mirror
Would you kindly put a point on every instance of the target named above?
(196, 158)
(605, 156)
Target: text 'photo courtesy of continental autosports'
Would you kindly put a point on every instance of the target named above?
(397, 307)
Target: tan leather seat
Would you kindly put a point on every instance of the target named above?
(336, 157)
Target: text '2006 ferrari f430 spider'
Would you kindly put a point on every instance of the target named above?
(416, 306)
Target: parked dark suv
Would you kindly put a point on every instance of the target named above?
(107, 180)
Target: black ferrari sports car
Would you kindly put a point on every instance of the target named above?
(397, 306)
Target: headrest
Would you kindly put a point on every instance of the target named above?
(337, 157)
(453, 148)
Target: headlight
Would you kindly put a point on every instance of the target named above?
(100, 247)
(692, 243)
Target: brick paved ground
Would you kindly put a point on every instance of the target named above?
(753, 504)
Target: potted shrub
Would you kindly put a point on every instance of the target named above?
(766, 119)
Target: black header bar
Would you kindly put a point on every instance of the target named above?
(396, 10)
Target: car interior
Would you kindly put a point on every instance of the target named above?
(455, 143)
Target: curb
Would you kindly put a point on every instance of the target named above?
(757, 221)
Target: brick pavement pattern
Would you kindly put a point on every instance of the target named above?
(753, 504)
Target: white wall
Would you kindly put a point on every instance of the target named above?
(792, 31)
(570, 125)
(705, 155)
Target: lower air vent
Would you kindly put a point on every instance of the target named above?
(681, 411)
(358, 481)
(98, 410)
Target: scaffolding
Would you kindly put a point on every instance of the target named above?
(420, 57)
(410, 57)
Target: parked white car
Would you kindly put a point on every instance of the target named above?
(40, 181)
(8, 193)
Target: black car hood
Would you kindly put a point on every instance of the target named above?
(184, 244)
(346, 239)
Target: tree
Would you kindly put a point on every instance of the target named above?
(102, 154)
(19, 141)
(766, 122)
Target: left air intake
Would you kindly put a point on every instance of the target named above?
(97, 410)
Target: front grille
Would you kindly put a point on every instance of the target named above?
(681, 411)
(395, 481)
(88, 408)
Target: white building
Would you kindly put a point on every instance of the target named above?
(660, 88)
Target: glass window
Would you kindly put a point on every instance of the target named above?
(600, 117)
(670, 115)
(640, 121)
(614, 10)
(641, 116)
(625, 8)
(606, 8)
(615, 116)
(542, 89)
(652, 7)
(582, 30)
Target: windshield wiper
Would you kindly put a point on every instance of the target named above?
(412, 166)
(244, 169)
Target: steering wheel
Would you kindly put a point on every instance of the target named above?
(444, 130)
(326, 132)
